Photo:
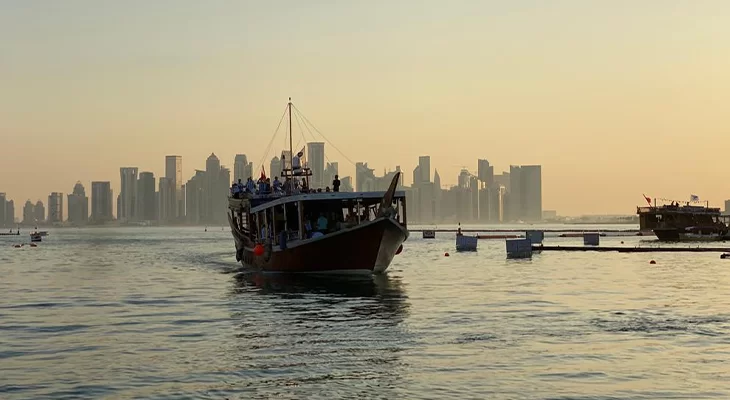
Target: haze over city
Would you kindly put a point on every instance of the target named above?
(612, 99)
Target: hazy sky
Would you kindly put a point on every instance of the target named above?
(614, 98)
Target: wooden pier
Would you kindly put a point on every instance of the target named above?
(634, 249)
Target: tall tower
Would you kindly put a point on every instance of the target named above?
(78, 205)
(128, 194)
(212, 175)
(55, 207)
(146, 204)
(425, 163)
(240, 163)
(315, 161)
(173, 172)
(101, 202)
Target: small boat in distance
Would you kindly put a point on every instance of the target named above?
(35, 237)
(294, 229)
(429, 234)
(465, 243)
(677, 223)
(11, 233)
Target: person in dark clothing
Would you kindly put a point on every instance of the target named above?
(336, 184)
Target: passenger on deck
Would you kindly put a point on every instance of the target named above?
(296, 164)
(307, 229)
(267, 185)
(327, 189)
(305, 186)
(336, 184)
(322, 223)
(250, 185)
(277, 185)
(235, 191)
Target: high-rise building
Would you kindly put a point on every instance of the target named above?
(524, 197)
(10, 212)
(424, 162)
(173, 172)
(146, 204)
(727, 207)
(532, 192)
(485, 172)
(167, 207)
(127, 208)
(212, 174)
(39, 211)
(28, 215)
(102, 200)
(274, 168)
(3, 202)
(55, 208)
(240, 163)
(330, 171)
(195, 198)
(346, 184)
(315, 161)
(78, 205)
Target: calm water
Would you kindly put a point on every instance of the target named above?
(161, 313)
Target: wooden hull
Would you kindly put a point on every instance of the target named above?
(682, 235)
(368, 248)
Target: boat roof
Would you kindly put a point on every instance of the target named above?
(667, 209)
(262, 202)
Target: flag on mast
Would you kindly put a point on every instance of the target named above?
(263, 173)
(694, 197)
(648, 199)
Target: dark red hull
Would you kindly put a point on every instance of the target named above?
(366, 248)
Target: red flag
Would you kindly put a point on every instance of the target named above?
(263, 173)
(648, 199)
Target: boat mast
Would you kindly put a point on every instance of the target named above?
(291, 150)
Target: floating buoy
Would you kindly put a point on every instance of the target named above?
(446, 254)
(652, 262)
(400, 248)
(258, 250)
(622, 242)
(33, 245)
(17, 246)
(724, 255)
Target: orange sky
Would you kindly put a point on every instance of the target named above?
(614, 99)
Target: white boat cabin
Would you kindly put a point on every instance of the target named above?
(305, 216)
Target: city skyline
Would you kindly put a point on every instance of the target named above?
(604, 100)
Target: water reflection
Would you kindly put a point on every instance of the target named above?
(307, 332)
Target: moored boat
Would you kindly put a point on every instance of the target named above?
(676, 223)
(465, 242)
(429, 234)
(302, 231)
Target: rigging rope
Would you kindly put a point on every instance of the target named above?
(266, 152)
(323, 136)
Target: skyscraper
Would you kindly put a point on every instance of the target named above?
(195, 198)
(274, 168)
(315, 161)
(212, 173)
(167, 207)
(10, 212)
(146, 205)
(55, 208)
(3, 202)
(242, 169)
(101, 202)
(485, 172)
(173, 172)
(524, 198)
(28, 215)
(39, 212)
(425, 163)
(727, 207)
(532, 192)
(128, 194)
(78, 205)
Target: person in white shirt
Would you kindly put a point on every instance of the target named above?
(296, 163)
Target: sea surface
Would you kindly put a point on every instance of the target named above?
(165, 313)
